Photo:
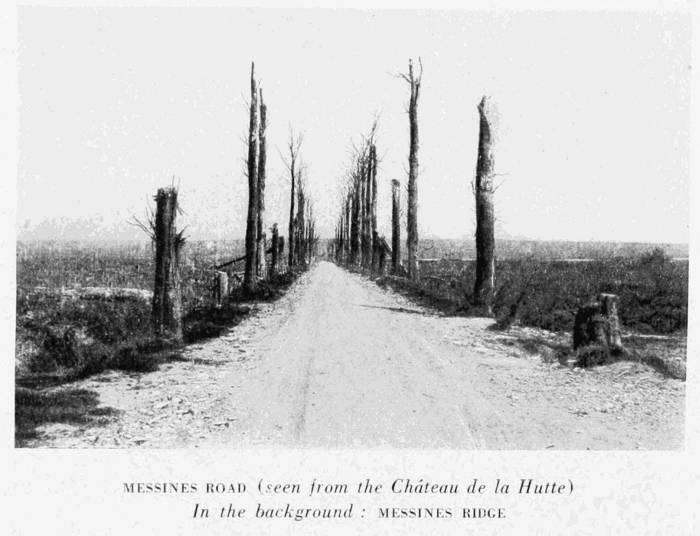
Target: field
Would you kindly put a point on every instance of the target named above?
(82, 308)
(56, 265)
(61, 327)
(653, 289)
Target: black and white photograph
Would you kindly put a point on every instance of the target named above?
(474, 236)
(423, 230)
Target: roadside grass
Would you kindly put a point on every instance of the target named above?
(653, 291)
(61, 339)
(653, 306)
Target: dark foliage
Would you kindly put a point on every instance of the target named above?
(653, 290)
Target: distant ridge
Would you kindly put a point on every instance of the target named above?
(427, 248)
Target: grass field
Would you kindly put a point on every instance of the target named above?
(653, 289)
(540, 283)
(70, 326)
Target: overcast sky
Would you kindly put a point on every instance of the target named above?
(593, 137)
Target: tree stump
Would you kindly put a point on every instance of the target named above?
(597, 338)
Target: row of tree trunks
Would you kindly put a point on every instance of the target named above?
(302, 238)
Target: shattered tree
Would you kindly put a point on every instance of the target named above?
(395, 226)
(166, 315)
(414, 82)
(292, 163)
(483, 193)
(262, 161)
(373, 205)
(250, 275)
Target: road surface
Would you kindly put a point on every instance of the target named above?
(341, 362)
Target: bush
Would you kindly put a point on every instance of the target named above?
(78, 337)
(653, 290)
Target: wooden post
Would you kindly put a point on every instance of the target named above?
(250, 274)
(483, 193)
(220, 287)
(395, 226)
(166, 314)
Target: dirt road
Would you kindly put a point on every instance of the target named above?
(339, 362)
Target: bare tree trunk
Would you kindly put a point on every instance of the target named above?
(412, 217)
(262, 161)
(367, 220)
(373, 206)
(483, 192)
(166, 314)
(290, 234)
(348, 207)
(395, 226)
(250, 276)
(355, 230)
(275, 251)
(294, 147)
(300, 224)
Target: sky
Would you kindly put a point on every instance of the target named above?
(592, 138)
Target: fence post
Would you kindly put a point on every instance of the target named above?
(166, 312)
(220, 287)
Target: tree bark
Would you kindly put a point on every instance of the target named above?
(483, 193)
(373, 206)
(294, 148)
(250, 275)
(300, 227)
(355, 225)
(412, 217)
(262, 161)
(395, 226)
(366, 213)
(290, 234)
(166, 314)
(275, 250)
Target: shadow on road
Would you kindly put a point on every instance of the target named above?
(395, 309)
(34, 408)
